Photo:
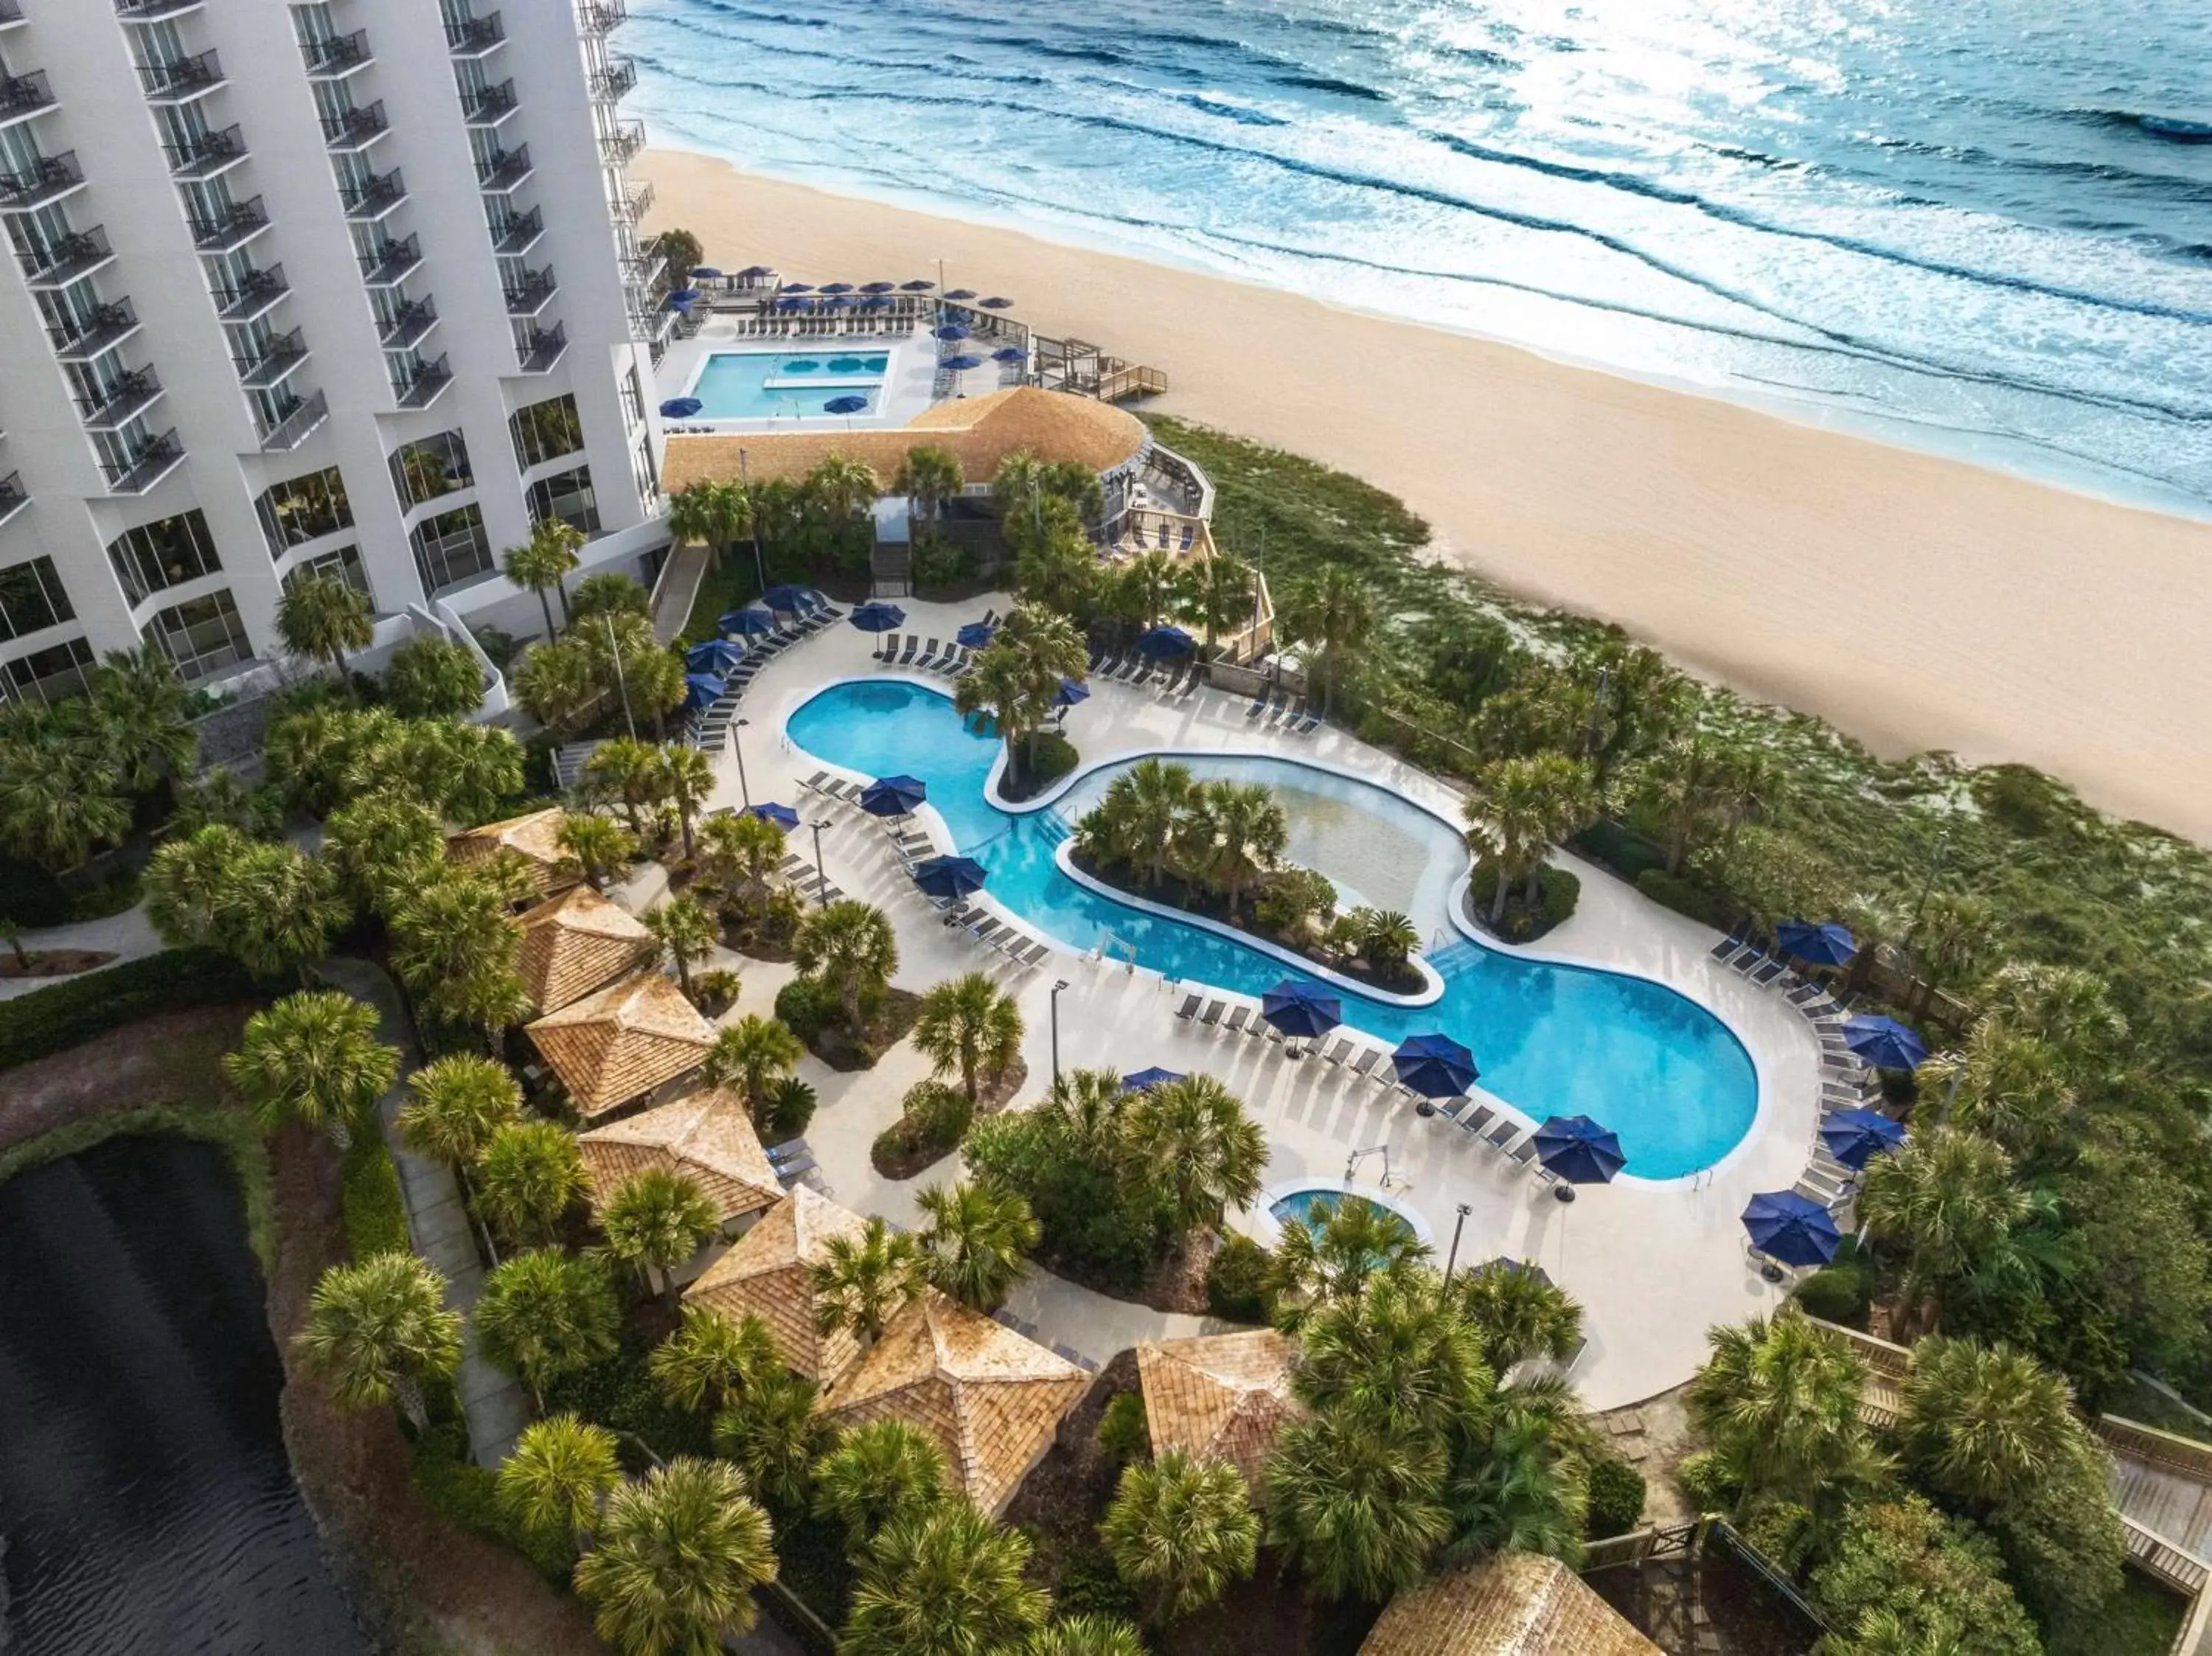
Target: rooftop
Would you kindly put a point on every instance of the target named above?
(766, 1275)
(533, 836)
(1220, 1396)
(622, 1042)
(707, 1137)
(576, 943)
(1515, 1603)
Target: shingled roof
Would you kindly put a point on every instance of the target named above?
(576, 943)
(991, 1399)
(1220, 1396)
(620, 1043)
(1513, 1603)
(533, 836)
(708, 1137)
(767, 1275)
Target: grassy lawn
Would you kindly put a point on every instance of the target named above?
(720, 591)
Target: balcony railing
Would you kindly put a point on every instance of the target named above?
(131, 395)
(301, 415)
(11, 13)
(505, 171)
(601, 16)
(355, 129)
(153, 460)
(54, 177)
(13, 497)
(533, 294)
(620, 147)
(108, 326)
(487, 105)
(257, 295)
(409, 325)
(616, 81)
(71, 258)
(153, 11)
(540, 347)
(631, 206)
(476, 36)
(230, 231)
(425, 385)
(388, 266)
(340, 55)
(275, 364)
(645, 270)
(206, 155)
(24, 95)
(186, 78)
(375, 196)
(521, 234)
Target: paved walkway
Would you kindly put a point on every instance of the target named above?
(129, 936)
(493, 1403)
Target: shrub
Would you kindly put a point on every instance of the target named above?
(467, 1496)
(933, 1118)
(71, 1013)
(1616, 1498)
(1294, 897)
(1704, 1479)
(1684, 897)
(1619, 847)
(718, 989)
(433, 678)
(1124, 1435)
(1838, 1293)
(1050, 757)
(1236, 1280)
(375, 1217)
(619, 1393)
(1556, 896)
(30, 896)
(939, 563)
(1089, 1584)
(1556, 893)
(790, 1106)
(806, 1007)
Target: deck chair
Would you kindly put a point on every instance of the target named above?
(1213, 1011)
(1525, 1152)
(1366, 1061)
(1189, 1010)
(1339, 1051)
(1190, 685)
(1725, 948)
(988, 929)
(912, 644)
(1476, 1120)
(1503, 1134)
(888, 649)
(1235, 1024)
(1035, 954)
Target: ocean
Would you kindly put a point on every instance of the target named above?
(1979, 226)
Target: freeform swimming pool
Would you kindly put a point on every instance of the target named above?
(1665, 1074)
(787, 384)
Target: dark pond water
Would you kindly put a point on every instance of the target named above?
(146, 1504)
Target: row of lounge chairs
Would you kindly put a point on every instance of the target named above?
(953, 660)
(792, 1161)
(1280, 710)
(992, 932)
(710, 729)
(1174, 680)
(809, 880)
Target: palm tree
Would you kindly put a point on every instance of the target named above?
(459, 1106)
(752, 1055)
(686, 931)
(1334, 612)
(557, 685)
(1204, 1151)
(279, 910)
(628, 774)
(1946, 1197)
(186, 881)
(773, 1432)
(850, 946)
(738, 855)
(1083, 1635)
(694, 516)
(1516, 1492)
(971, 1025)
(384, 845)
(1147, 813)
(1520, 1314)
(1153, 583)
(1240, 833)
(1948, 940)
(530, 1174)
(601, 846)
(466, 773)
(1356, 1504)
(322, 618)
(1520, 809)
(457, 949)
(1400, 1354)
(59, 797)
(1017, 675)
(1386, 939)
(2066, 1005)
(545, 1315)
(377, 1330)
(543, 562)
(1988, 1425)
(2003, 1083)
(974, 1241)
(843, 487)
(1182, 1532)
(679, 1554)
(1780, 1402)
(313, 1057)
(687, 780)
(860, 1283)
(928, 476)
(877, 1473)
(1218, 592)
(1091, 1108)
(141, 717)
(561, 1470)
(943, 1581)
(711, 1359)
(657, 1219)
(1331, 1253)
(1055, 566)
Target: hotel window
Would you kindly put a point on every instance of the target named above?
(32, 598)
(47, 675)
(201, 635)
(568, 496)
(304, 509)
(343, 566)
(436, 465)
(156, 556)
(546, 431)
(633, 399)
(451, 548)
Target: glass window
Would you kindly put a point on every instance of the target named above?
(632, 399)
(568, 496)
(47, 675)
(436, 465)
(31, 597)
(451, 548)
(202, 635)
(546, 431)
(343, 565)
(642, 474)
(162, 554)
(304, 509)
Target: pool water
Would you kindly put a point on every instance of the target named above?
(1300, 1205)
(787, 384)
(1662, 1072)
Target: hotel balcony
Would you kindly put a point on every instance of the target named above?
(616, 81)
(424, 385)
(303, 414)
(355, 129)
(13, 497)
(541, 348)
(644, 270)
(338, 57)
(502, 174)
(259, 293)
(108, 327)
(156, 459)
(631, 206)
(533, 294)
(52, 178)
(477, 37)
(11, 13)
(620, 147)
(488, 105)
(183, 81)
(410, 326)
(72, 258)
(522, 231)
(131, 395)
(230, 231)
(601, 16)
(388, 266)
(275, 365)
(208, 156)
(154, 11)
(374, 197)
(22, 96)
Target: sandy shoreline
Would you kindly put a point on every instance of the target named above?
(1916, 602)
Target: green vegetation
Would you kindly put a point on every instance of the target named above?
(1015, 680)
(69, 1014)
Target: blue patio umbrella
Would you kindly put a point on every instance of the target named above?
(745, 623)
(994, 303)
(716, 655)
(703, 690)
(949, 878)
(974, 635)
(685, 298)
(961, 294)
(1145, 1080)
(794, 304)
(952, 332)
(1825, 945)
(782, 816)
(916, 286)
(680, 408)
(1435, 1066)
(754, 272)
(1070, 692)
(835, 302)
(1791, 1230)
(789, 598)
(1163, 642)
(875, 302)
(845, 405)
(1303, 1010)
(1884, 1043)
(893, 796)
(1579, 1151)
(1010, 354)
(706, 273)
(878, 287)
(1855, 1137)
(960, 364)
(836, 286)
(876, 618)
(796, 287)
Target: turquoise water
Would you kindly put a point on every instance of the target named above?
(1662, 1072)
(786, 384)
(1300, 1205)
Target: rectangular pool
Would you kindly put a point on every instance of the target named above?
(789, 385)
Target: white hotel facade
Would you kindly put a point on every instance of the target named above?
(350, 286)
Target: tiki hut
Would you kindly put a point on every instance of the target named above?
(1220, 1396)
(532, 837)
(1513, 1603)
(992, 1400)
(576, 943)
(766, 1274)
(707, 1137)
(620, 1043)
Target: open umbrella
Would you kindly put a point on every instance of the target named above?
(845, 405)
(961, 294)
(745, 623)
(1070, 692)
(916, 286)
(893, 796)
(1435, 1066)
(875, 302)
(1791, 1230)
(1825, 945)
(787, 598)
(1579, 1151)
(949, 878)
(1010, 354)
(794, 304)
(974, 635)
(716, 655)
(782, 816)
(1303, 1009)
(1884, 1043)
(836, 286)
(951, 333)
(834, 302)
(797, 287)
(680, 408)
(706, 273)
(878, 287)
(994, 303)
(1145, 1080)
(703, 690)
(1163, 642)
(754, 272)
(960, 364)
(876, 618)
(1855, 1137)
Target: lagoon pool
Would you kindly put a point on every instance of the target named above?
(1665, 1074)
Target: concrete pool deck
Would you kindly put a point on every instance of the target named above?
(1653, 1263)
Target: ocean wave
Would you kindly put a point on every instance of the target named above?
(1333, 87)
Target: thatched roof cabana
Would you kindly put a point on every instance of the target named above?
(576, 943)
(1220, 1396)
(991, 1399)
(533, 836)
(620, 1043)
(1514, 1604)
(708, 1137)
(766, 1274)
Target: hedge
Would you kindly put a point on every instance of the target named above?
(69, 1014)
(375, 1215)
(1684, 897)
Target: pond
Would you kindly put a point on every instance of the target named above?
(146, 1503)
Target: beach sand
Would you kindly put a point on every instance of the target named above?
(1915, 602)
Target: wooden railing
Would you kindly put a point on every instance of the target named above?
(2147, 1443)
(1130, 380)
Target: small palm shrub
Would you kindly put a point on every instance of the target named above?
(1237, 1282)
(1124, 1434)
(1616, 1498)
(791, 1105)
(716, 991)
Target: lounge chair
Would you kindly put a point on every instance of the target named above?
(1190, 685)
(1503, 1134)
(889, 648)
(912, 644)
(1725, 948)
(792, 1172)
(1339, 1051)
(1189, 1010)
(1524, 1152)
(1142, 676)
(1213, 1011)
(813, 783)
(988, 929)
(1366, 1061)
(1237, 1018)
(1476, 1120)
(790, 1149)
(1259, 706)
(1308, 725)
(1034, 955)
(1767, 973)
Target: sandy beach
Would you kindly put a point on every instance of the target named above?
(1915, 602)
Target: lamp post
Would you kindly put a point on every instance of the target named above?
(1057, 987)
(738, 747)
(821, 873)
(1458, 1225)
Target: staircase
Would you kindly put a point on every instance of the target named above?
(890, 570)
(568, 763)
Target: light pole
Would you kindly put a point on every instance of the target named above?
(1458, 1225)
(622, 681)
(738, 747)
(1057, 987)
(821, 873)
